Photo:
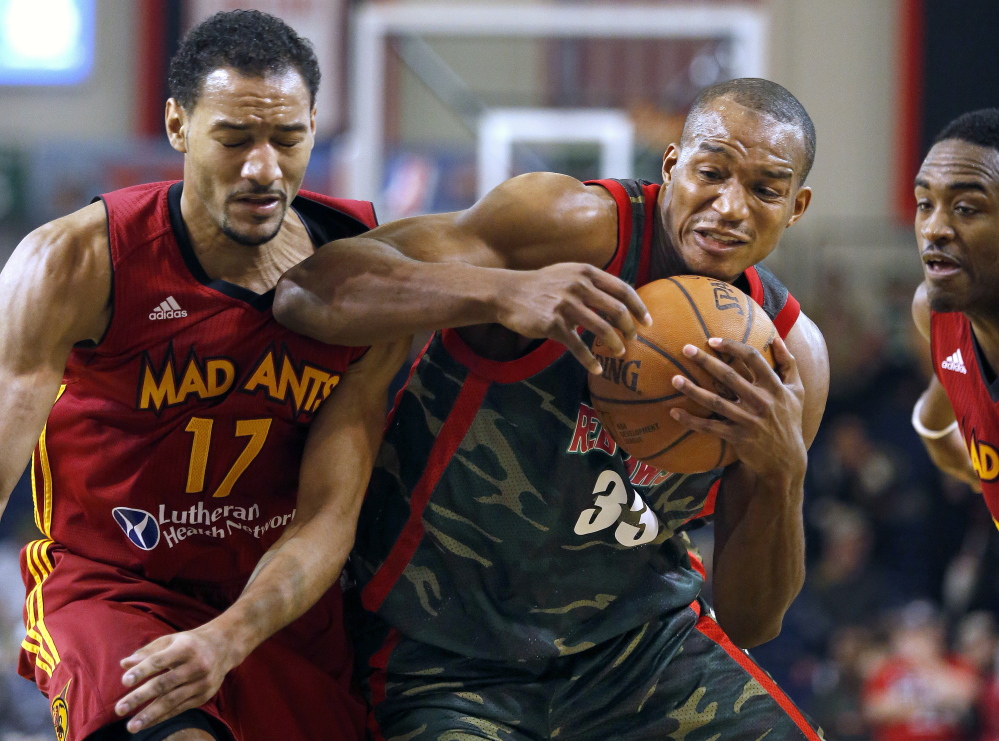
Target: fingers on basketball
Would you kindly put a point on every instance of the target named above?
(635, 392)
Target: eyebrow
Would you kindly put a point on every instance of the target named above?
(955, 186)
(771, 174)
(778, 174)
(713, 148)
(233, 126)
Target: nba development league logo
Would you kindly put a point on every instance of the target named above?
(140, 526)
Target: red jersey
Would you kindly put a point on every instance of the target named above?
(173, 449)
(936, 718)
(973, 391)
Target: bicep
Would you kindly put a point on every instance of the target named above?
(345, 434)
(51, 296)
(527, 222)
(808, 347)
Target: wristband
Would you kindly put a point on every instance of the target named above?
(925, 431)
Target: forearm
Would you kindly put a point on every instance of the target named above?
(26, 400)
(759, 556)
(290, 578)
(362, 291)
(950, 456)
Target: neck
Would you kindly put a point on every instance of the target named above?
(986, 329)
(666, 260)
(257, 267)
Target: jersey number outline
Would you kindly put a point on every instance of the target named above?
(640, 525)
(201, 427)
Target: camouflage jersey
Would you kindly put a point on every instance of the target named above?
(502, 522)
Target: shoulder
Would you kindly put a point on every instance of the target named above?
(552, 209)
(71, 245)
(65, 265)
(921, 311)
(808, 346)
(805, 339)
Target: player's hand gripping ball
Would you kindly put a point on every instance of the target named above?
(635, 393)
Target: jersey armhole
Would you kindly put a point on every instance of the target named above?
(623, 203)
(787, 316)
(90, 344)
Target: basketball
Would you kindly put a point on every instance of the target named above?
(635, 393)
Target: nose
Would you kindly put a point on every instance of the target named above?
(730, 204)
(935, 228)
(261, 165)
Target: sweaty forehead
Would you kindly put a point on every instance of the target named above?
(228, 92)
(743, 130)
(957, 161)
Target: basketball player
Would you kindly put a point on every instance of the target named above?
(179, 535)
(516, 585)
(956, 307)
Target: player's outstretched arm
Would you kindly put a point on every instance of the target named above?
(933, 416)
(54, 291)
(184, 670)
(759, 553)
(528, 256)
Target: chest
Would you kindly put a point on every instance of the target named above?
(188, 353)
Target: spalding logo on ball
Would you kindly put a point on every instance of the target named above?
(635, 393)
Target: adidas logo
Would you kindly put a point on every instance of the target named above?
(954, 363)
(169, 309)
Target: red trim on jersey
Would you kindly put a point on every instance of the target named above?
(755, 285)
(787, 316)
(698, 564)
(379, 679)
(502, 371)
(623, 201)
(455, 427)
(709, 502)
(379, 662)
(712, 630)
(651, 193)
(401, 391)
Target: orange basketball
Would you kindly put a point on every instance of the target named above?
(634, 394)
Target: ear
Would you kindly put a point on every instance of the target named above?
(670, 158)
(312, 120)
(801, 201)
(176, 125)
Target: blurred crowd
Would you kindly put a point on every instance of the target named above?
(894, 636)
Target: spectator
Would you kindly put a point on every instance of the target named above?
(836, 704)
(920, 693)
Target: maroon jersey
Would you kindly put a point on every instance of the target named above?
(973, 390)
(174, 446)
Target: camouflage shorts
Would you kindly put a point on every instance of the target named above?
(678, 678)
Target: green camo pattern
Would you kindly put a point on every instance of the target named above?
(528, 551)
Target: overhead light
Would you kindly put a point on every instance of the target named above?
(45, 41)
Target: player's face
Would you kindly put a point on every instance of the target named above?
(957, 226)
(732, 188)
(247, 143)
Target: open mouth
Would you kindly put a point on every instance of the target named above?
(939, 265)
(714, 240)
(259, 204)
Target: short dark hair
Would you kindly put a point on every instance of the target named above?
(979, 127)
(251, 42)
(766, 97)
